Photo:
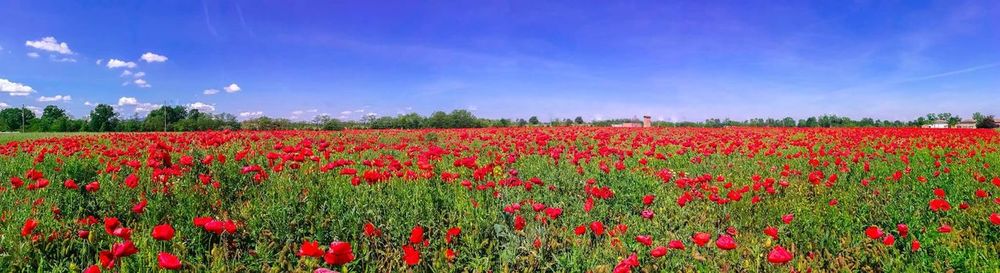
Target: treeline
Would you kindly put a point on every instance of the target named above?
(982, 121)
(103, 118)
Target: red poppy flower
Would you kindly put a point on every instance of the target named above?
(215, 226)
(92, 186)
(701, 238)
(371, 230)
(787, 218)
(644, 239)
(627, 264)
(123, 249)
(779, 255)
(410, 255)
(132, 181)
(725, 242)
(163, 232)
(310, 249)
(518, 222)
(449, 254)
(140, 207)
(676, 244)
(110, 224)
(452, 232)
(873, 232)
(939, 205)
(647, 214)
(107, 259)
(340, 253)
(771, 231)
(597, 227)
(416, 235)
(70, 184)
(658, 252)
(944, 228)
(168, 261)
(553, 213)
(648, 199)
(903, 229)
(914, 245)
(995, 219)
(29, 226)
(92, 269)
(889, 240)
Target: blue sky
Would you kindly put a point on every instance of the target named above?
(674, 60)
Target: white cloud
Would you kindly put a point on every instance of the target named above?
(297, 112)
(61, 59)
(139, 74)
(139, 106)
(50, 44)
(146, 107)
(88, 103)
(232, 88)
(141, 83)
(33, 55)
(211, 91)
(116, 63)
(35, 109)
(151, 57)
(127, 101)
(126, 73)
(100, 61)
(204, 107)
(344, 113)
(251, 114)
(55, 98)
(15, 89)
(4, 105)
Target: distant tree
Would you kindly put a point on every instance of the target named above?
(533, 120)
(103, 119)
(788, 122)
(521, 122)
(53, 112)
(411, 121)
(12, 119)
(325, 122)
(462, 118)
(438, 119)
(163, 118)
(978, 117)
(578, 120)
(987, 122)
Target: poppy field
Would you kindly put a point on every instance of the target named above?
(563, 199)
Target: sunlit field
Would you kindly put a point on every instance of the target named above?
(570, 199)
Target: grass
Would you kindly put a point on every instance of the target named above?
(17, 136)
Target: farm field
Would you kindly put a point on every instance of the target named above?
(563, 199)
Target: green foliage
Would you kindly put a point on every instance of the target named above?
(14, 119)
(987, 122)
(103, 119)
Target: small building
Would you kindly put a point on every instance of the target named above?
(627, 125)
(966, 124)
(937, 124)
(647, 122)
